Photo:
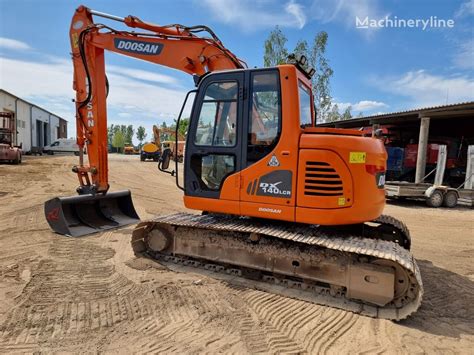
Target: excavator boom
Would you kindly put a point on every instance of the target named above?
(175, 46)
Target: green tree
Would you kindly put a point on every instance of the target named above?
(347, 113)
(164, 125)
(275, 48)
(110, 133)
(301, 48)
(128, 134)
(118, 141)
(141, 134)
(276, 53)
(120, 128)
(334, 114)
(183, 127)
(321, 80)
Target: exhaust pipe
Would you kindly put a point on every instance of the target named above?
(76, 216)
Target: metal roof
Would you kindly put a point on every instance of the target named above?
(462, 109)
(32, 104)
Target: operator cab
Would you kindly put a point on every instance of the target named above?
(236, 122)
(252, 149)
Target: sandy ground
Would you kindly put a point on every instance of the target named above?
(91, 294)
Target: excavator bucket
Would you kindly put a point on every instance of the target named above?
(76, 216)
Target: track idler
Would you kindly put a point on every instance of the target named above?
(76, 216)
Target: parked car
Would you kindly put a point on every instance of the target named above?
(62, 145)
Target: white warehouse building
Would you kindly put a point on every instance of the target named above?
(35, 126)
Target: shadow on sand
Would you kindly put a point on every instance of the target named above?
(447, 307)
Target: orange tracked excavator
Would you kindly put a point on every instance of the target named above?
(287, 207)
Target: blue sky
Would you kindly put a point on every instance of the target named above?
(375, 69)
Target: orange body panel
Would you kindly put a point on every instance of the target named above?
(268, 211)
(368, 199)
(326, 130)
(318, 188)
(360, 198)
(212, 205)
(231, 187)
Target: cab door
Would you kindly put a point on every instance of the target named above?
(270, 151)
(214, 144)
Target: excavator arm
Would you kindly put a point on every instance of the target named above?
(194, 50)
(173, 46)
(156, 136)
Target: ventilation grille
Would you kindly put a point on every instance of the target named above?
(322, 180)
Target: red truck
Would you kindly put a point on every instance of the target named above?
(8, 152)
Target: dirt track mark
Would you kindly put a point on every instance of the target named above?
(257, 313)
(29, 216)
(451, 313)
(334, 328)
(92, 296)
(297, 326)
(187, 319)
(25, 230)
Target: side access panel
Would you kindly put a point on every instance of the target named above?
(324, 180)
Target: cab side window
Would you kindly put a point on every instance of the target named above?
(306, 117)
(265, 115)
(217, 125)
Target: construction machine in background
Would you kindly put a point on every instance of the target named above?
(177, 149)
(290, 207)
(9, 152)
(176, 146)
(129, 149)
(152, 150)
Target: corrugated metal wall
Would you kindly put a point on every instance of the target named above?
(53, 127)
(23, 125)
(36, 127)
(22, 115)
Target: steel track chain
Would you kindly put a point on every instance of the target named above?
(314, 236)
(398, 225)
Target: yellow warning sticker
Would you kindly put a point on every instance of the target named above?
(341, 201)
(357, 157)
